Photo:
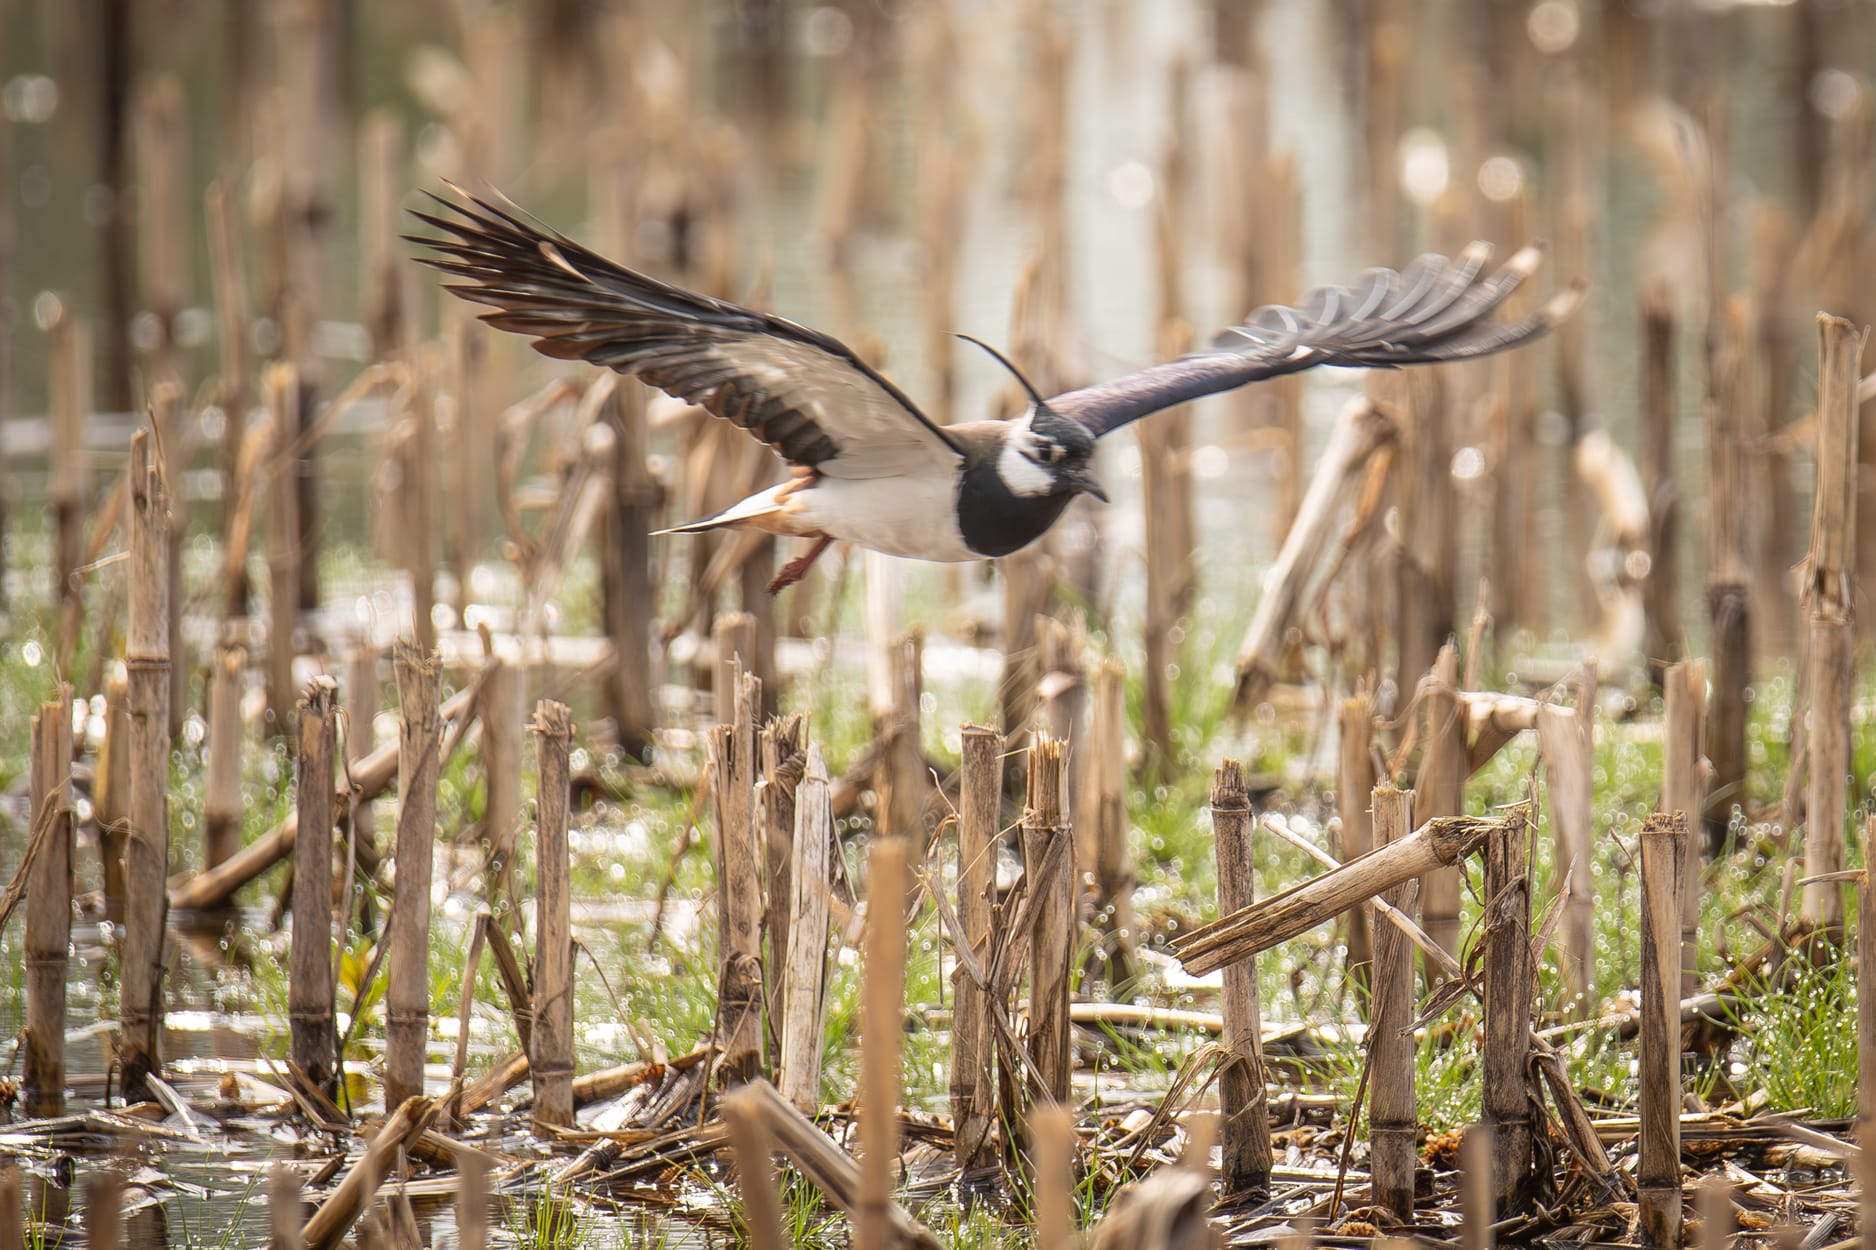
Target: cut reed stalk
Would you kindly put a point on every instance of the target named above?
(1713, 1207)
(1866, 992)
(1440, 790)
(1683, 789)
(734, 634)
(282, 389)
(12, 1204)
(314, 1038)
(1393, 1114)
(1103, 815)
(1052, 926)
(48, 934)
(67, 480)
(407, 993)
(780, 746)
(882, 1032)
(104, 1209)
(504, 718)
(111, 798)
(1062, 709)
(1242, 1083)
(973, 1079)
(626, 572)
(1658, 1172)
(1732, 530)
(1509, 979)
(1830, 601)
(1354, 783)
(358, 696)
(1477, 1190)
(222, 802)
(550, 1054)
(146, 846)
(472, 1200)
(1165, 492)
(810, 886)
(1439, 843)
(1569, 783)
(902, 783)
(1664, 639)
(739, 887)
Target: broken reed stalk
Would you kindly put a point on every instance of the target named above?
(281, 387)
(48, 935)
(1241, 1084)
(755, 1169)
(344, 1205)
(1103, 814)
(1569, 782)
(504, 717)
(370, 777)
(810, 885)
(1683, 789)
(314, 1037)
(358, 696)
(419, 496)
(222, 802)
(1052, 927)
(1732, 530)
(1393, 1115)
(630, 595)
(146, 846)
(1658, 1173)
(734, 635)
(407, 993)
(1162, 444)
(882, 1032)
(1509, 979)
(1354, 781)
(973, 1079)
(1062, 709)
(739, 886)
(1713, 1207)
(285, 1209)
(1440, 790)
(472, 1200)
(1360, 432)
(901, 783)
(779, 744)
(12, 1203)
(1439, 843)
(1052, 1188)
(550, 1057)
(1830, 600)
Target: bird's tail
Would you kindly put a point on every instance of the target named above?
(762, 503)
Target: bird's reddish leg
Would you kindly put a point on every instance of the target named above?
(797, 568)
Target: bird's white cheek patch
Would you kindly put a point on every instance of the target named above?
(1021, 474)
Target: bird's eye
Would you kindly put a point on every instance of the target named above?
(1049, 453)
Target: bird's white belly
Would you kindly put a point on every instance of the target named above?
(914, 517)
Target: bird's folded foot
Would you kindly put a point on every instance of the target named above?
(797, 568)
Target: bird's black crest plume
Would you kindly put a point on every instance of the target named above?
(1007, 363)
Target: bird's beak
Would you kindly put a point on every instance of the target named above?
(1084, 482)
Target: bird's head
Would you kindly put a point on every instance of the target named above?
(1044, 453)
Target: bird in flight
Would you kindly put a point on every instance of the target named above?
(867, 466)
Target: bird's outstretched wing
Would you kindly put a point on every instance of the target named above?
(1433, 310)
(800, 391)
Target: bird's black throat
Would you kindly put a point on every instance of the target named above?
(996, 521)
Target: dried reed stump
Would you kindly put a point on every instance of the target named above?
(282, 385)
(973, 1076)
(1354, 780)
(1664, 637)
(222, 802)
(779, 745)
(1658, 1172)
(146, 847)
(811, 883)
(1830, 600)
(48, 933)
(314, 1039)
(1440, 790)
(550, 1057)
(1732, 530)
(407, 995)
(1101, 827)
(739, 888)
(1049, 866)
(1509, 979)
(1683, 789)
(1242, 1085)
(628, 590)
(1393, 1114)
(882, 1032)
